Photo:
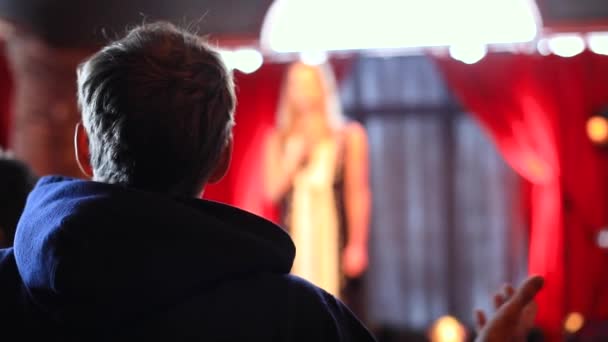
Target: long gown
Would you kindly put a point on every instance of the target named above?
(314, 213)
(314, 216)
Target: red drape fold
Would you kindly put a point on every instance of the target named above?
(6, 86)
(535, 109)
(257, 97)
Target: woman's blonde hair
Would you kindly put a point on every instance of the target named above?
(333, 109)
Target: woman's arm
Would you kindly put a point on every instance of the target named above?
(280, 167)
(357, 200)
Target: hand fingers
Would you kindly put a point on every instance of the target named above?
(528, 315)
(499, 300)
(524, 295)
(508, 291)
(480, 319)
(503, 296)
(530, 310)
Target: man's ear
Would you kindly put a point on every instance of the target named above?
(81, 147)
(223, 164)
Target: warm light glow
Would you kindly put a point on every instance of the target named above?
(313, 58)
(244, 60)
(447, 329)
(468, 54)
(567, 45)
(227, 57)
(322, 25)
(249, 60)
(574, 322)
(602, 239)
(598, 42)
(543, 47)
(597, 129)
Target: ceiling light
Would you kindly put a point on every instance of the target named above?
(598, 42)
(468, 54)
(322, 25)
(567, 45)
(244, 60)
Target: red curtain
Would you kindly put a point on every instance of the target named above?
(257, 95)
(5, 96)
(535, 108)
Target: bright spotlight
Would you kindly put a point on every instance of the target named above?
(543, 47)
(247, 60)
(602, 238)
(567, 45)
(598, 42)
(574, 322)
(597, 129)
(447, 329)
(313, 58)
(228, 58)
(313, 25)
(468, 54)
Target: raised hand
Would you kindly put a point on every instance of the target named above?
(297, 151)
(515, 312)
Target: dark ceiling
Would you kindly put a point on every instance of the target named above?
(88, 22)
(574, 15)
(85, 22)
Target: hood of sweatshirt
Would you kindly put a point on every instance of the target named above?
(90, 252)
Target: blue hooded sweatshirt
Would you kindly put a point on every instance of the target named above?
(101, 262)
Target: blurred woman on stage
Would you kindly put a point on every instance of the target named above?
(316, 168)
